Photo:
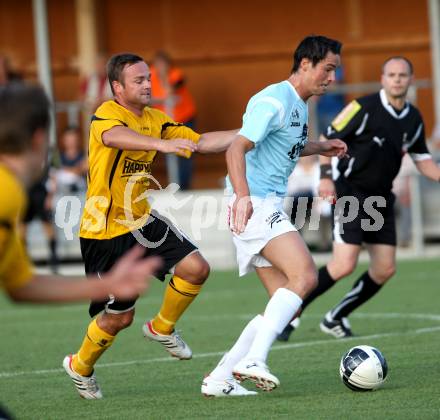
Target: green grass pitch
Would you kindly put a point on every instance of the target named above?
(140, 381)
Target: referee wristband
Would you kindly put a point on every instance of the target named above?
(326, 171)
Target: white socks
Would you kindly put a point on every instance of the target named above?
(257, 337)
(280, 309)
(224, 369)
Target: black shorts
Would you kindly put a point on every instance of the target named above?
(373, 224)
(158, 237)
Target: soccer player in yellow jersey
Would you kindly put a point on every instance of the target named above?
(125, 136)
(24, 119)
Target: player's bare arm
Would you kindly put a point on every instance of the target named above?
(129, 278)
(126, 139)
(328, 148)
(429, 169)
(216, 141)
(235, 159)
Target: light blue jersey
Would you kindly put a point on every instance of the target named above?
(276, 121)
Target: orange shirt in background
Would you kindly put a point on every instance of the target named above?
(184, 109)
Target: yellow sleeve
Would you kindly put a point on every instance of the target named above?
(178, 131)
(105, 118)
(171, 129)
(15, 267)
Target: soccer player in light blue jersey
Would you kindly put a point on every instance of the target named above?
(260, 159)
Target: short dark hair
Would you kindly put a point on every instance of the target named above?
(399, 57)
(24, 109)
(315, 48)
(116, 65)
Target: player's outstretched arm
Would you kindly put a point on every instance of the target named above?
(124, 138)
(327, 148)
(216, 141)
(129, 277)
(429, 168)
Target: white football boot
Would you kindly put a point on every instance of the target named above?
(256, 371)
(224, 388)
(87, 386)
(173, 343)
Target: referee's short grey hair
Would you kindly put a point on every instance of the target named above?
(398, 57)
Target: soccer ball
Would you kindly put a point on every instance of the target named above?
(363, 368)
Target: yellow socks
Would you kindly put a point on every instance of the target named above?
(96, 342)
(178, 296)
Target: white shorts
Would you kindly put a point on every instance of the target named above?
(267, 222)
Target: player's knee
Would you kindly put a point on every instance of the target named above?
(194, 270)
(201, 271)
(126, 320)
(384, 273)
(118, 322)
(340, 269)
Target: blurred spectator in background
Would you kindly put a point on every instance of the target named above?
(302, 186)
(329, 105)
(95, 88)
(40, 206)
(171, 95)
(70, 177)
(7, 75)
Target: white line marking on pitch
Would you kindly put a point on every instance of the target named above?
(220, 353)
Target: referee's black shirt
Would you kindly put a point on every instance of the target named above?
(377, 136)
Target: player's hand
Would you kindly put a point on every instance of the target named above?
(131, 275)
(327, 191)
(334, 147)
(242, 211)
(181, 147)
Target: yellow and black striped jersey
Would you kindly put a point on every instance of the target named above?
(118, 180)
(15, 267)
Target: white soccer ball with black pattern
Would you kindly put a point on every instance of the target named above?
(363, 368)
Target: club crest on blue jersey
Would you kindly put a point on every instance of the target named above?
(297, 148)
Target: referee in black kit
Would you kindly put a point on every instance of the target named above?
(378, 129)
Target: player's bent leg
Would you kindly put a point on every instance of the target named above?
(289, 254)
(382, 267)
(100, 335)
(301, 276)
(288, 285)
(189, 275)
